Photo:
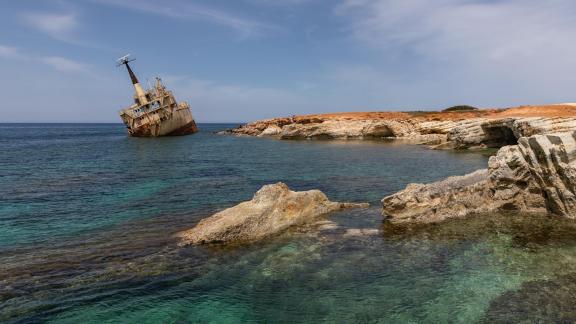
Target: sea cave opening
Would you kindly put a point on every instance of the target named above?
(499, 136)
(379, 131)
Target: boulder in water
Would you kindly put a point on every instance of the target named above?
(273, 209)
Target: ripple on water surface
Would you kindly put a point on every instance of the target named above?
(88, 216)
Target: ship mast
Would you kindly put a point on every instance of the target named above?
(140, 94)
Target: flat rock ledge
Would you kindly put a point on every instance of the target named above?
(466, 133)
(536, 176)
(273, 209)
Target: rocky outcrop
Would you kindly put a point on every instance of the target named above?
(537, 175)
(273, 209)
(425, 203)
(495, 133)
(343, 129)
(272, 130)
(316, 128)
(533, 170)
(479, 132)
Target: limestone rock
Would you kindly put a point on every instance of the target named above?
(538, 126)
(538, 175)
(426, 203)
(511, 182)
(345, 129)
(271, 130)
(471, 133)
(551, 160)
(273, 209)
(496, 133)
(258, 127)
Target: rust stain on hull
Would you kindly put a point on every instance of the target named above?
(190, 128)
(155, 111)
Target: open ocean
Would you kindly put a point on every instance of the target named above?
(88, 217)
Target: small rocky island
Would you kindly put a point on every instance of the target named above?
(533, 171)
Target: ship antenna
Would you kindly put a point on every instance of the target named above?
(140, 94)
(124, 60)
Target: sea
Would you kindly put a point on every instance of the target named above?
(89, 217)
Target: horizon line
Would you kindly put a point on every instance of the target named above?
(120, 123)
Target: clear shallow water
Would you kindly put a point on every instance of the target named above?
(87, 218)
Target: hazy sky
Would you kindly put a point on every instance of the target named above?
(239, 60)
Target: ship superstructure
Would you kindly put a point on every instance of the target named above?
(155, 111)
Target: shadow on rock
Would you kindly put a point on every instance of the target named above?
(528, 231)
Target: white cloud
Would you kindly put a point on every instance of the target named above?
(58, 26)
(59, 63)
(65, 65)
(247, 28)
(496, 52)
(8, 51)
(467, 30)
(213, 101)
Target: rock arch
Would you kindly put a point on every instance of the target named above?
(499, 134)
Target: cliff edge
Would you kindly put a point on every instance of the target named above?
(488, 128)
(534, 170)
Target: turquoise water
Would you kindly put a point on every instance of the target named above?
(88, 217)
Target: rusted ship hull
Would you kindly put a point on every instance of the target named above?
(180, 124)
(155, 112)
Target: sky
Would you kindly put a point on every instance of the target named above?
(241, 60)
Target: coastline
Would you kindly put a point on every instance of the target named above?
(485, 128)
(533, 169)
(95, 247)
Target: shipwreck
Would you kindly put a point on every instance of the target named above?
(155, 112)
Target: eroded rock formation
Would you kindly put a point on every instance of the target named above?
(273, 209)
(537, 175)
(454, 197)
(495, 133)
(532, 172)
(453, 133)
(346, 129)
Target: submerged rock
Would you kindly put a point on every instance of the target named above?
(540, 301)
(273, 209)
(361, 232)
(537, 175)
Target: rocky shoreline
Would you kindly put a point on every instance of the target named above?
(534, 170)
(536, 176)
(483, 129)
